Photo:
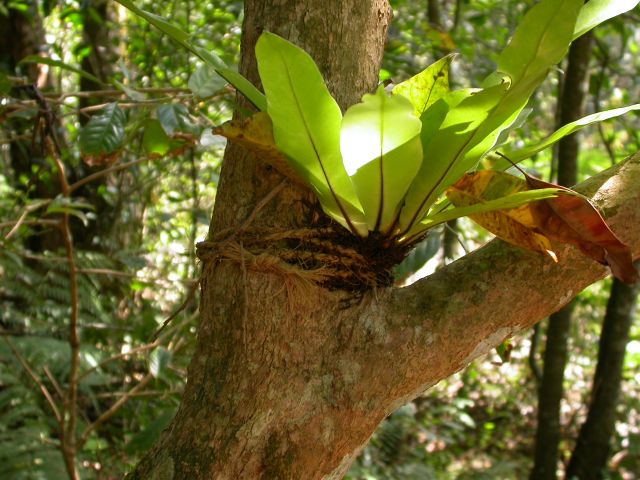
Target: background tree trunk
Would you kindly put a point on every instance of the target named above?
(555, 357)
(98, 37)
(23, 35)
(589, 458)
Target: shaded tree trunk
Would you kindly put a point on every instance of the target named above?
(22, 35)
(290, 379)
(555, 357)
(589, 458)
(433, 14)
(98, 38)
(550, 395)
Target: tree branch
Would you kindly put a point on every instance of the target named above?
(441, 323)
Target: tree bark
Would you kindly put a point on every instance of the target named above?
(263, 387)
(589, 458)
(22, 35)
(289, 379)
(555, 357)
(550, 395)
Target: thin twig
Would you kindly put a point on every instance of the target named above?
(122, 401)
(190, 296)
(115, 168)
(113, 409)
(21, 220)
(16, 138)
(43, 222)
(36, 380)
(17, 224)
(54, 382)
(146, 393)
(69, 447)
(114, 93)
(104, 271)
(112, 358)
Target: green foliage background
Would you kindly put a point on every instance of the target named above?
(135, 235)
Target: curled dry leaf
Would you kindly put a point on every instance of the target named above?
(514, 225)
(567, 218)
(256, 135)
(573, 219)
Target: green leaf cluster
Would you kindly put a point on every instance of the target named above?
(384, 164)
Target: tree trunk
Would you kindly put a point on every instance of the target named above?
(555, 356)
(290, 379)
(550, 395)
(261, 388)
(22, 35)
(100, 61)
(97, 37)
(589, 459)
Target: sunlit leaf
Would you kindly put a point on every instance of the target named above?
(484, 205)
(72, 207)
(519, 121)
(306, 126)
(567, 217)
(446, 148)
(57, 63)
(594, 12)
(428, 86)
(154, 139)
(522, 154)
(256, 135)
(382, 153)
(158, 361)
(541, 40)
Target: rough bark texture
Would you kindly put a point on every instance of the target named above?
(269, 385)
(289, 380)
(589, 458)
(555, 357)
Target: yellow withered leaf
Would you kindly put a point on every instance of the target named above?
(255, 133)
(515, 225)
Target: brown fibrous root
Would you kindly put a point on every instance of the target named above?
(329, 256)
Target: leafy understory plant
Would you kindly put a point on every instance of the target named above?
(396, 164)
